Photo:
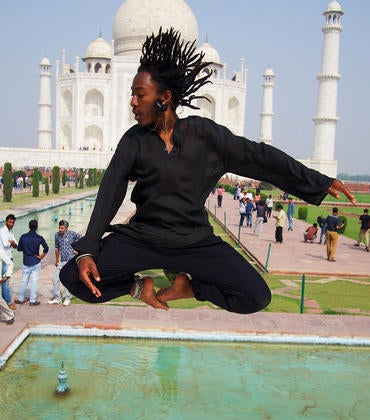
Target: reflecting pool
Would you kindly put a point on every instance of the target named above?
(163, 379)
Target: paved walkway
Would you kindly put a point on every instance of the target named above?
(293, 256)
(203, 320)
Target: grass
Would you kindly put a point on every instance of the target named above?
(23, 198)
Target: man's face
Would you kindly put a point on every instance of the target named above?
(62, 229)
(144, 94)
(9, 223)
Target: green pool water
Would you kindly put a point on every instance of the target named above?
(120, 378)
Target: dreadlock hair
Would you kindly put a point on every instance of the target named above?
(173, 65)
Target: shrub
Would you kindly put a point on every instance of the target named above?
(265, 186)
(56, 179)
(36, 182)
(7, 182)
(81, 178)
(45, 181)
(302, 213)
(64, 177)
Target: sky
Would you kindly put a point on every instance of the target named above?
(282, 34)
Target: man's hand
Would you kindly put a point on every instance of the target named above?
(336, 187)
(13, 244)
(87, 268)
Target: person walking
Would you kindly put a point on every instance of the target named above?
(8, 243)
(260, 210)
(176, 163)
(5, 310)
(29, 244)
(63, 253)
(290, 213)
(220, 191)
(280, 223)
(333, 225)
(269, 205)
(364, 220)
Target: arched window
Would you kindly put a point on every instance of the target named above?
(94, 103)
(233, 110)
(93, 140)
(66, 138)
(66, 103)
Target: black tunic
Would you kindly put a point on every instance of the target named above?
(171, 189)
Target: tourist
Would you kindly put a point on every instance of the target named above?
(8, 243)
(176, 162)
(323, 226)
(261, 216)
(220, 191)
(63, 253)
(269, 205)
(29, 244)
(364, 220)
(4, 307)
(310, 233)
(280, 223)
(333, 225)
(290, 213)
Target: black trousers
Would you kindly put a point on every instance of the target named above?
(219, 273)
(279, 234)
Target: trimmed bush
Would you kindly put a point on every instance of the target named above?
(45, 181)
(55, 179)
(7, 182)
(81, 178)
(64, 177)
(302, 213)
(36, 182)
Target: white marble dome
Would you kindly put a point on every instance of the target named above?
(334, 6)
(135, 20)
(45, 62)
(99, 49)
(210, 53)
(269, 72)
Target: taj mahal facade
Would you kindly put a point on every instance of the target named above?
(92, 95)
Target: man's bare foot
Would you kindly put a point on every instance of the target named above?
(148, 295)
(181, 289)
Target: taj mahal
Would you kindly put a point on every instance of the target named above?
(92, 95)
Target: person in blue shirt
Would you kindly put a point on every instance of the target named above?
(29, 243)
(290, 213)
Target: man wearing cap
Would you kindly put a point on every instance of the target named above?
(63, 253)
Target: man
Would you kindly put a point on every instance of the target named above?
(4, 308)
(8, 243)
(364, 219)
(29, 244)
(176, 163)
(310, 233)
(333, 225)
(220, 190)
(63, 253)
(280, 223)
(290, 213)
(269, 205)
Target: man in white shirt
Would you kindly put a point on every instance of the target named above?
(7, 313)
(7, 243)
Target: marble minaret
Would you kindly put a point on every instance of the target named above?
(325, 119)
(267, 106)
(45, 105)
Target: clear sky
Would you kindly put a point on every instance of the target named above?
(282, 34)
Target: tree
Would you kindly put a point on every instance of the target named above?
(56, 179)
(46, 182)
(7, 182)
(81, 178)
(36, 182)
(64, 177)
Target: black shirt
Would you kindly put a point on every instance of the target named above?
(171, 189)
